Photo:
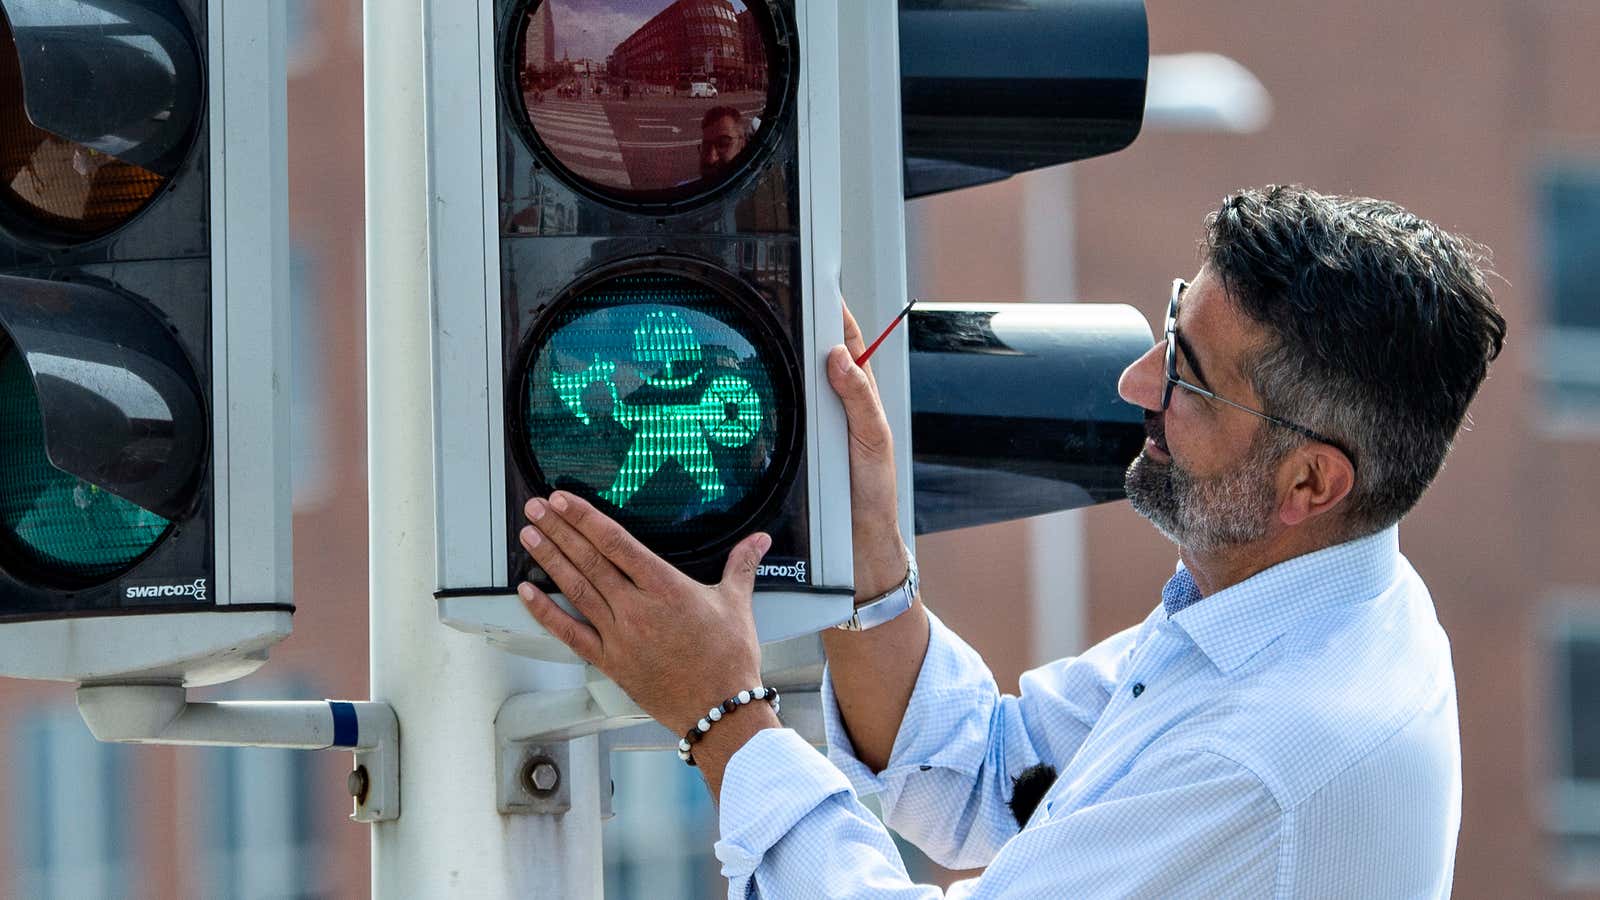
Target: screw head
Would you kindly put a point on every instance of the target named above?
(356, 783)
(540, 776)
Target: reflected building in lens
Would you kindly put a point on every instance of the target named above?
(688, 41)
(539, 41)
(754, 74)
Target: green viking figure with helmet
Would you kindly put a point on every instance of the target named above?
(668, 355)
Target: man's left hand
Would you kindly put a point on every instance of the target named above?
(676, 646)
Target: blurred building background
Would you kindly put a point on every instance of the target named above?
(1479, 114)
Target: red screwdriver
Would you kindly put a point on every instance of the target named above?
(867, 353)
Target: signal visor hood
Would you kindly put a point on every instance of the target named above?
(120, 402)
(990, 88)
(120, 76)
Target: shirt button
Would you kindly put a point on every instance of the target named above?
(1138, 688)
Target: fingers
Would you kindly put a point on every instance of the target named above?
(580, 571)
(869, 429)
(582, 638)
(740, 572)
(630, 557)
(853, 341)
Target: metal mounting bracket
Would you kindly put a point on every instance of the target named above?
(532, 732)
(162, 714)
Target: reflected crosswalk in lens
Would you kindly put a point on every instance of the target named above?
(645, 100)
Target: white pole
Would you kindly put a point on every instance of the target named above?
(444, 686)
(1049, 273)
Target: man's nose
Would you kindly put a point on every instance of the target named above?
(1142, 381)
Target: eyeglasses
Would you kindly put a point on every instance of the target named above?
(1178, 287)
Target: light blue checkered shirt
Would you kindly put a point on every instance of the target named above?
(1293, 736)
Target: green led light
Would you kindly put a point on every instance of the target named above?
(650, 396)
(57, 523)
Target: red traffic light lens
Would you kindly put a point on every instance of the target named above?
(646, 101)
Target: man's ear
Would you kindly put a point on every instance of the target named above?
(1314, 479)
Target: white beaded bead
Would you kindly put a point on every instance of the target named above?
(759, 693)
(683, 745)
(683, 754)
(744, 697)
(715, 714)
(703, 725)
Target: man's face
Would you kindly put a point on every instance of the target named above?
(720, 142)
(1207, 476)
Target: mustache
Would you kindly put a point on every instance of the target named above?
(1156, 430)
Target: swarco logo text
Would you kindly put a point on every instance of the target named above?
(795, 570)
(197, 590)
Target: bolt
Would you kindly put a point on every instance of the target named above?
(540, 776)
(356, 783)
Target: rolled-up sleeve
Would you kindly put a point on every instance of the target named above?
(789, 814)
(947, 785)
(1190, 824)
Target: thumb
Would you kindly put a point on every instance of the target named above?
(869, 430)
(740, 572)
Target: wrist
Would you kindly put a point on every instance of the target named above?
(879, 573)
(731, 717)
(734, 731)
(880, 577)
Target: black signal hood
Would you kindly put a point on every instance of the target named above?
(120, 402)
(990, 88)
(1014, 408)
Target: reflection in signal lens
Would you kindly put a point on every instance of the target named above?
(645, 99)
(53, 523)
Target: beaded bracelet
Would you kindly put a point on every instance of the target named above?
(715, 714)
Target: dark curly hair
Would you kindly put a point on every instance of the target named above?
(1381, 325)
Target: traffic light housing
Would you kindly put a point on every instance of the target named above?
(143, 468)
(641, 225)
(636, 268)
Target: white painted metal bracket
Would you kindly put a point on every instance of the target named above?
(163, 714)
(533, 730)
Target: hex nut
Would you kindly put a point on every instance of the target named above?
(541, 776)
(356, 783)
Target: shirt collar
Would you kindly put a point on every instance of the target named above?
(1236, 622)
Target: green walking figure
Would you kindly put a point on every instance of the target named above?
(669, 358)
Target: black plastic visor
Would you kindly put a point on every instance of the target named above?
(120, 76)
(120, 403)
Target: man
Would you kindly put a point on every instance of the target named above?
(722, 138)
(1284, 721)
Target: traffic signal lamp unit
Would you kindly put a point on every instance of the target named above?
(657, 242)
(143, 504)
(643, 217)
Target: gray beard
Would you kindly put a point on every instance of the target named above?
(1206, 514)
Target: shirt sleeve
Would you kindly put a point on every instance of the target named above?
(947, 785)
(1189, 824)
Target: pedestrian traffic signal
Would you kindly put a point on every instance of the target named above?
(143, 505)
(647, 192)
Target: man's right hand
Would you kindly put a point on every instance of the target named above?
(881, 558)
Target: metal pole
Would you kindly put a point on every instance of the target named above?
(445, 686)
(1057, 552)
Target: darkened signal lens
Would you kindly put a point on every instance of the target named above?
(56, 187)
(665, 403)
(646, 101)
(53, 526)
